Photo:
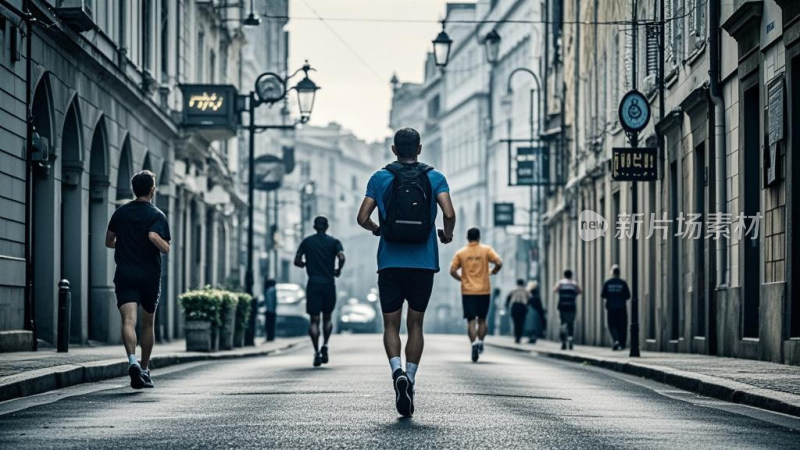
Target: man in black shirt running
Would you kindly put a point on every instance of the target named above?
(320, 252)
(617, 293)
(139, 233)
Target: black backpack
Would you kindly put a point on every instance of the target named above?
(408, 204)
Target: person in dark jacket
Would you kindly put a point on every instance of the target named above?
(616, 293)
(539, 316)
(518, 300)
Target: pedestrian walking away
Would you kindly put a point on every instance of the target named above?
(537, 310)
(139, 233)
(321, 252)
(271, 306)
(568, 291)
(518, 300)
(470, 267)
(617, 293)
(406, 193)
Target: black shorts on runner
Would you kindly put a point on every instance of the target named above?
(146, 297)
(412, 285)
(320, 298)
(475, 306)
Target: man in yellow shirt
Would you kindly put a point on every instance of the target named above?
(473, 262)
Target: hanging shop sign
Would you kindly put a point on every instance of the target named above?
(503, 214)
(634, 111)
(634, 164)
(269, 170)
(530, 166)
(211, 106)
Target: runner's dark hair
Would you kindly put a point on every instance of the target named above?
(143, 182)
(406, 142)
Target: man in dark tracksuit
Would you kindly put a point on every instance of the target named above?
(616, 293)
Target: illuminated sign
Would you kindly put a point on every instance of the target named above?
(211, 106)
(634, 164)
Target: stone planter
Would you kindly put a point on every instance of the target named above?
(238, 335)
(198, 336)
(227, 330)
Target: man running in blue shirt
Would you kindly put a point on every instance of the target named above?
(406, 194)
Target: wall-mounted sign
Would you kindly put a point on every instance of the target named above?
(270, 87)
(775, 99)
(269, 170)
(634, 164)
(634, 111)
(503, 214)
(210, 106)
(530, 165)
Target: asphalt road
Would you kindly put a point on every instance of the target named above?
(507, 400)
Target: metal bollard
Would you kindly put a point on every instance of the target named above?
(64, 313)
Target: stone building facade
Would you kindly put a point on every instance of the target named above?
(104, 99)
(727, 141)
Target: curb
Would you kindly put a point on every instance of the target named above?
(58, 377)
(708, 386)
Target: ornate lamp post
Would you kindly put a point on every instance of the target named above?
(269, 88)
(441, 48)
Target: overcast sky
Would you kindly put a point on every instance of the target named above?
(356, 93)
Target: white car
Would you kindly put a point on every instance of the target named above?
(292, 319)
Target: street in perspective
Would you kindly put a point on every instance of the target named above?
(383, 224)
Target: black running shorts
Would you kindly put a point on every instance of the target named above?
(412, 285)
(145, 294)
(475, 306)
(320, 298)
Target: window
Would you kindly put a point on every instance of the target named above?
(697, 22)
(434, 107)
(201, 37)
(2, 36)
(147, 34)
(223, 62)
(164, 25)
(677, 31)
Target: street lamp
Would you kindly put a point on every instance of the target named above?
(269, 88)
(441, 48)
(306, 92)
(491, 45)
(251, 20)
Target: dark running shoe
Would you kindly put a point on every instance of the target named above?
(570, 344)
(410, 393)
(324, 354)
(135, 371)
(480, 348)
(317, 359)
(563, 345)
(403, 401)
(475, 352)
(148, 382)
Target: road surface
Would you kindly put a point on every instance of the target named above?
(507, 400)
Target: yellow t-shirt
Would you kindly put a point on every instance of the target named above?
(473, 260)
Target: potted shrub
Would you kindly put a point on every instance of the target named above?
(228, 310)
(243, 306)
(201, 311)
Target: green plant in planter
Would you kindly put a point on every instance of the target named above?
(203, 305)
(243, 309)
(228, 307)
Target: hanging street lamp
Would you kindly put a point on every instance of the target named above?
(306, 92)
(491, 45)
(441, 48)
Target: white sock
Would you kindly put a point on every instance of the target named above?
(479, 341)
(132, 361)
(395, 363)
(411, 371)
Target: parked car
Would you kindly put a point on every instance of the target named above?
(357, 317)
(291, 319)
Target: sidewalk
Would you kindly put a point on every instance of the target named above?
(28, 373)
(766, 385)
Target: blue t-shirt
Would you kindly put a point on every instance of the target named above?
(400, 254)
